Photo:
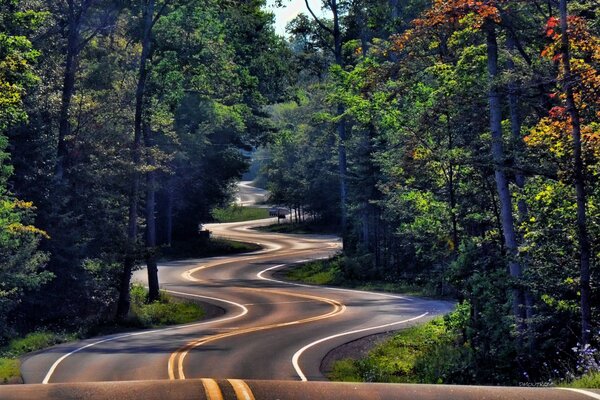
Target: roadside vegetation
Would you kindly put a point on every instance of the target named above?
(237, 213)
(9, 354)
(349, 272)
(439, 352)
(167, 310)
(308, 227)
(200, 248)
(421, 354)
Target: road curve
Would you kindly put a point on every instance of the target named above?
(270, 329)
(271, 334)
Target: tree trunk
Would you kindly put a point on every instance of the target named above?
(68, 89)
(151, 265)
(518, 145)
(169, 211)
(582, 233)
(504, 196)
(124, 301)
(341, 124)
(451, 185)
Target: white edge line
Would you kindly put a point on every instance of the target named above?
(583, 392)
(297, 355)
(260, 275)
(61, 359)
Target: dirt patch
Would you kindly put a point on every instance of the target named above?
(355, 349)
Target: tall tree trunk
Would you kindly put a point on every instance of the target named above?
(582, 233)
(451, 184)
(336, 33)
(341, 125)
(169, 211)
(518, 145)
(504, 196)
(151, 265)
(68, 89)
(124, 301)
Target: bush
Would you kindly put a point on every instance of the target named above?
(322, 272)
(405, 358)
(590, 381)
(165, 311)
(9, 371)
(35, 341)
(239, 214)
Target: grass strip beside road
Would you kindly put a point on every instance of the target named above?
(330, 273)
(301, 228)
(199, 248)
(239, 214)
(413, 355)
(168, 310)
(9, 362)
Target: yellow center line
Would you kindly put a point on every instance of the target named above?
(212, 389)
(241, 389)
(178, 357)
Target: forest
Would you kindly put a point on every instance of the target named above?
(453, 144)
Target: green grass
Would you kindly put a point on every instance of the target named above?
(300, 228)
(166, 311)
(239, 214)
(406, 358)
(9, 363)
(590, 381)
(9, 371)
(36, 341)
(322, 272)
(199, 248)
(330, 272)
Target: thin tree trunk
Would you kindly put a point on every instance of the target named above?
(518, 145)
(341, 124)
(504, 196)
(169, 211)
(582, 233)
(68, 89)
(152, 267)
(451, 188)
(132, 230)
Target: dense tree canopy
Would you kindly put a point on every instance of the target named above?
(472, 165)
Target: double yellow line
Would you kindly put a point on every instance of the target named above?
(213, 391)
(175, 365)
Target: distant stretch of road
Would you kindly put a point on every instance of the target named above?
(270, 329)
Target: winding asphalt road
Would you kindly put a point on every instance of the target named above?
(270, 334)
(270, 329)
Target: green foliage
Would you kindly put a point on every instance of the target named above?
(10, 372)
(590, 381)
(406, 358)
(35, 341)
(349, 272)
(202, 248)
(326, 272)
(165, 311)
(238, 214)
(311, 227)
